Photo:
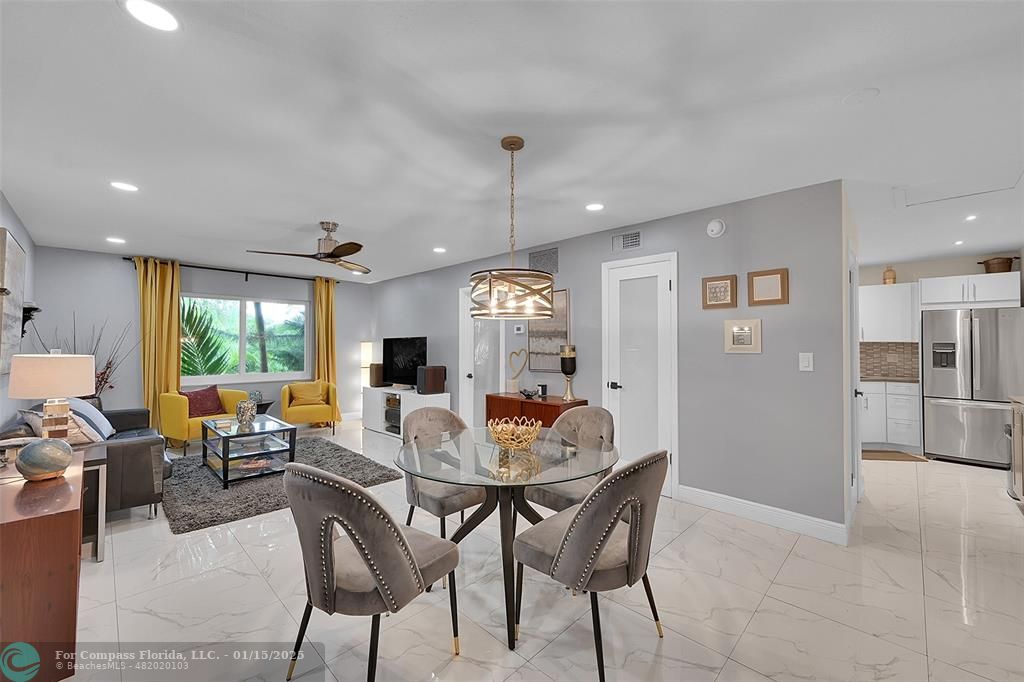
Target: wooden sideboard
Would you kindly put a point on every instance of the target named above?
(40, 551)
(546, 409)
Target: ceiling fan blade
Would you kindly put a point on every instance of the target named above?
(282, 253)
(354, 267)
(346, 249)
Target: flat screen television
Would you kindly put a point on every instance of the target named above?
(401, 357)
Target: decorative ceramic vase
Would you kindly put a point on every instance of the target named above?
(43, 459)
(567, 356)
(245, 412)
(889, 275)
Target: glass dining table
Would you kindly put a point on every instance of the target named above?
(471, 457)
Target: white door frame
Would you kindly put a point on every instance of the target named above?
(669, 336)
(856, 486)
(466, 357)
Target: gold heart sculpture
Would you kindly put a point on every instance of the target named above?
(512, 365)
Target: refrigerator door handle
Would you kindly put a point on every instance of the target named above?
(976, 354)
(973, 404)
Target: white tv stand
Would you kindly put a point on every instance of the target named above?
(385, 408)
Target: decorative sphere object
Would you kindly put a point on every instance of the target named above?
(245, 412)
(44, 458)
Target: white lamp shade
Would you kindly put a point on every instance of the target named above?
(35, 377)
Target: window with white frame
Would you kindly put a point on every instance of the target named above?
(243, 339)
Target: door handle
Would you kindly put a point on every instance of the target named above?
(469, 376)
(974, 291)
(858, 392)
(614, 385)
(976, 354)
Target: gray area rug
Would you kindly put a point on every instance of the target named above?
(194, 498)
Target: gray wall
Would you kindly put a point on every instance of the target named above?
(10, 220)
(750, 426)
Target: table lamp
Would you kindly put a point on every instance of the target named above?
(52, 377)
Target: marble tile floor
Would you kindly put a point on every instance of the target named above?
(930, 589)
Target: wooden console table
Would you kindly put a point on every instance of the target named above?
(546, 409)
(40, 551)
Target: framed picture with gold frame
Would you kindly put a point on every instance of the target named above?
(768, 287)
(718, 292)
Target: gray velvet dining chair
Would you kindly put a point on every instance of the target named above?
(425, 427)
(370, 568)
(576, 425)
(588, 548)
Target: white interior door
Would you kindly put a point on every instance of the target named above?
(481, 369)
(854, 322)
(639, 356)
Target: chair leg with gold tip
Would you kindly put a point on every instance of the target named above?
(519, 595)
(298, 640)
(455, 612)
(654, 609)
(599, 648)
(371, 664)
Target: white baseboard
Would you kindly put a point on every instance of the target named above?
(830, 531)
(349, 416)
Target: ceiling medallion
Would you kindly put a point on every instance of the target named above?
(511, 293)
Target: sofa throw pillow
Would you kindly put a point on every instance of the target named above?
(309, 393)
(79, 431)
(204, 402)
(87, 411)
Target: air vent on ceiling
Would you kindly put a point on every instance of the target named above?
(626, 241)
(545, 261)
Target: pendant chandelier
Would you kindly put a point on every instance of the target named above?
(511, 293)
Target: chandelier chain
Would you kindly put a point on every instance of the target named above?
(512, 207)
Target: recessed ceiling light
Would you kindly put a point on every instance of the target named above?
(115, 240)
(958, 242)
(151, 14)
(594, 207)
(971, 217)
(861, 96)
(124, 186)
(439, 249)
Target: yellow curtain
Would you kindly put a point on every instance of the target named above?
(326, 362)
(160, 328)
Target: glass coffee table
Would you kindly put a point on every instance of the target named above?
(234, 452)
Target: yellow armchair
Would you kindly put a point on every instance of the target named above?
(322, 412)
(175, 422)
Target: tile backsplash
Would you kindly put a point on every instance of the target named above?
(889, 360)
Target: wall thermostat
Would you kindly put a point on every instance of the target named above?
(518, 328)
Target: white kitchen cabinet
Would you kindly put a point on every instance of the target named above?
(904, 432)
(992, 290)
(872, 417)
(889, 312)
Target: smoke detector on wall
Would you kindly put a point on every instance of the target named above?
(716, 228)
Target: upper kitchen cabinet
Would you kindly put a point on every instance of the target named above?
(889, 312)
(994, 290)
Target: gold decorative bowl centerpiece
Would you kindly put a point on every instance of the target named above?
(514, 436)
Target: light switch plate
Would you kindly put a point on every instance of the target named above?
(806, 362)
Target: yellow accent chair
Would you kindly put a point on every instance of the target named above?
(175, 422)
(310, 402)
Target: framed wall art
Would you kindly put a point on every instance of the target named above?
(768, 287)
(544, 337)
(718, 292)
(742, 336)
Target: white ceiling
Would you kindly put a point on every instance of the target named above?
(258, 119)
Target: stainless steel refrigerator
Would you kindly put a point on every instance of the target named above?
(972, 362)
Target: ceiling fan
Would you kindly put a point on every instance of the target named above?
(328, 250)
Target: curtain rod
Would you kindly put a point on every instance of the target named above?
(238, 272)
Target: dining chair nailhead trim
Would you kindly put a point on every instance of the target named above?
(325, 532)
(589, 501)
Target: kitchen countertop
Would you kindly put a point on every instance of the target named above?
(1017, 399)
(895, 380)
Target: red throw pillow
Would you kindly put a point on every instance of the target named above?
(204, 402)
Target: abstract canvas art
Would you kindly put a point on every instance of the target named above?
(545, 336)
(12, 297)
